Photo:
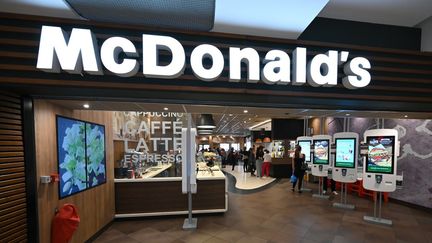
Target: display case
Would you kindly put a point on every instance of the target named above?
(291, 148)
(278, 149)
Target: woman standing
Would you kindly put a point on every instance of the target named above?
(267, 163)
(298, 171)
(259, 160)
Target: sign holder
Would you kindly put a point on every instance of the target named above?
(189, 223)
(308, 171)
(320, 170)
(345, 143)
(380, 182)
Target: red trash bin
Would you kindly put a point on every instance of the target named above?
(64, 224)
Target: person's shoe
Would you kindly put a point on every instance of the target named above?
(324, 192)
(292, 189)
(299, 191)
(335, 193)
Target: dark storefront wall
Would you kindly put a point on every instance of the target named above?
(401, 81)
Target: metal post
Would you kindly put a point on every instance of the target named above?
(320, 190)
(189, 223)
(380, 205)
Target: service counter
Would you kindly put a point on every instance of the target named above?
(281, 167)
(155, 196)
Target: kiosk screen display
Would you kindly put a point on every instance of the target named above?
(305, 149)
(380, 157)
(345, 152)
(321, 151)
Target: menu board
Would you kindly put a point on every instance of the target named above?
(321, 151)
(380, 158)
(305, 149)
(345, 152)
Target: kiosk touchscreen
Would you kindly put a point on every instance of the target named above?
(321, 155)
(345, 159)
(380, 164)
(305, 144)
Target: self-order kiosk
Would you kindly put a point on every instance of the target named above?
(346, 155)
(321, 155)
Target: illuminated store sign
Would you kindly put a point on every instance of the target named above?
(80, 53)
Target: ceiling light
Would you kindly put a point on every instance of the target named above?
(249, 119)
(205, 132)
(230, 114)
(86, 106)
(206, 121)
(245, 111)
(347, 114)
(165, 108)
(244, 121)
(406, 116)
(260, 124)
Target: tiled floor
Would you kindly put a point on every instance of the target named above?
(276, 214)
(245, 181)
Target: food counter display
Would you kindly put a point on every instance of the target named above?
(278, 149)
(281, 158)
(159, 195)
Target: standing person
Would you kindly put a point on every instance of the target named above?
(223, 156)
(251, 161)
(231, 158)
(267, 163)
(297, 163)
(332, 186)
(245, 158)
(259, 160)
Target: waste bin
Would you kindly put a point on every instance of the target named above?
(64, 224)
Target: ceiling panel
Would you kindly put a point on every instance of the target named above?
(393, 12)
(232, 120)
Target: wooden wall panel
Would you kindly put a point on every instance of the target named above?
(96, 205)
(13, 201)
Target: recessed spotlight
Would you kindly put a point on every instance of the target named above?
(230, 114)
(244, 121)
(245, 111)
(249, 119)
(406, 116)
(165, 108)
(347, 114)
(86, 106)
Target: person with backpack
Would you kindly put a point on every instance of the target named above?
(298, 168)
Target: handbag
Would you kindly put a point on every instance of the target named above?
(304, 166)
(293, 179)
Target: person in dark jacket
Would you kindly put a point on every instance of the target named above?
(231, 159)
(251, 161)
(297, 162)
(245, 158)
